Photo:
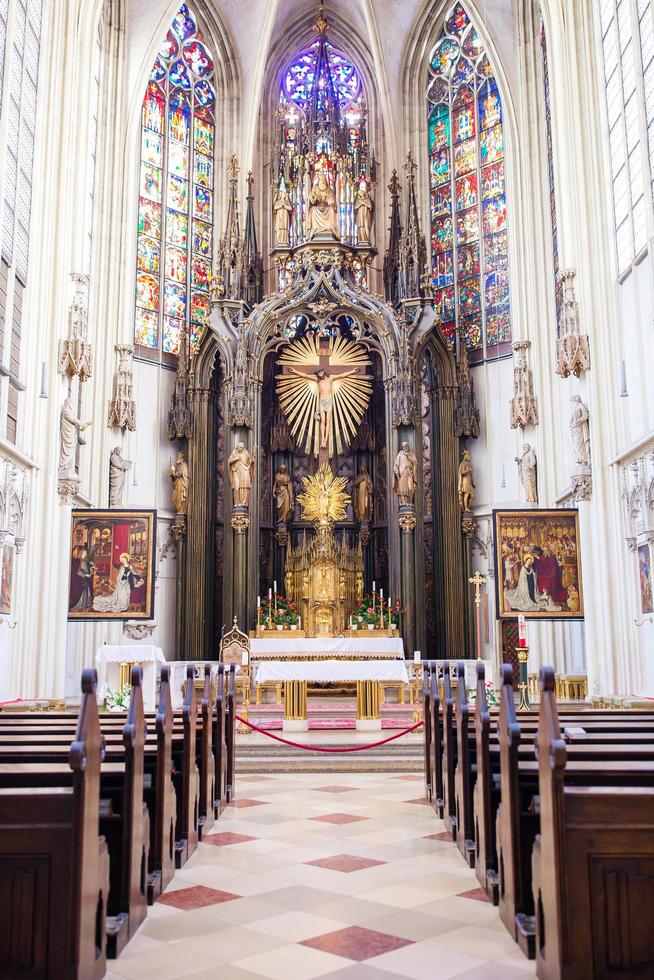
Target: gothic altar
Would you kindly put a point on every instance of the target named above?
(323, 375)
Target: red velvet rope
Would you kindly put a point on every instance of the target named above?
(323, 748)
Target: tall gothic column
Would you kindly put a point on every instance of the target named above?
(453, 584)
(407, 522)
(198, 580)
(240, 526)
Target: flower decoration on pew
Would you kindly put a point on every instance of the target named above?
(491, 695)
(118, 700)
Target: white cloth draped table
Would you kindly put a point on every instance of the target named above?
(109, 658)
(332, 671)
(373, 647)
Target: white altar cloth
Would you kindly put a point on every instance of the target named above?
(332, 671)
(110, 656)
(373, 647)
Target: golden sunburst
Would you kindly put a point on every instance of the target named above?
(324, 498)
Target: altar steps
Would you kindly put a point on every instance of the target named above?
(257, 754)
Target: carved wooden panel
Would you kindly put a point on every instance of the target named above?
(623, 937)
(24, 893)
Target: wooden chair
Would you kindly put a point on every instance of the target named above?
(232, 647)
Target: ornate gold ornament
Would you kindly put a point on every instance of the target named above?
(240, 523)
(324, 499)
(325, 394)
(407, 523)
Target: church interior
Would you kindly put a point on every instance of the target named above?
(326, 489)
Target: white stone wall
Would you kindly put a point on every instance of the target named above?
(43, 655)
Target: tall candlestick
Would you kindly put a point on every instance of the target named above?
(374, 587)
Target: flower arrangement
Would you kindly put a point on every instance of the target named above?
(368, 613)
(281, 612)
(118, 700)
(491, 695)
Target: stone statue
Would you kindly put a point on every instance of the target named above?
(322, 209)
(283, 494)
(363, 212)
(70, 428)
(282, 208)
(178, 472)
(580, 431)
(118, 468)
(527, 470)
(362, 496)
(405, 471)
(241, 470)
(466, 486)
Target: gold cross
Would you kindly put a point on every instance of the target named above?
(477, 580)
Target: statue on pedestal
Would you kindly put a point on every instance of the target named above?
(405, 471)
(71, 429)
(362, 496)
(322, 218)
(118, 468)
(179, 476)
(363, 213)
(283, 494)
(241, 471)
(527, 470)
(580, 431)
(466, 486)
(282, 209)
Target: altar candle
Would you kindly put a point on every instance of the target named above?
(299, 622)
(269, 594)
(244, 658)
(374, 587)
(417, 655)
(381, 595)
(275, 586)
(258, 602)
(522, 631)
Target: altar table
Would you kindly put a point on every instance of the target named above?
(115, 661)
(368, 675)
(327, 648)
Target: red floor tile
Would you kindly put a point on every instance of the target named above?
(344, 862)
(356, 943)
(225, 838)
(477, 893)
(443, 836)
(335, 789)
(421, 799)
(196, 897)
(338, 818)
(245, 802)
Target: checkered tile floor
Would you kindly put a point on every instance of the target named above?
(303, 879)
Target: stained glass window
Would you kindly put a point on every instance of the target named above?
(175, 216)
(627, 48)
(646, 32)
(469, 237)
(558, 289)
(300, 75)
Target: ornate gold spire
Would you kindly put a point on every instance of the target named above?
(324, 500)
(321, 24)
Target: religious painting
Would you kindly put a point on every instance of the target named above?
(112, 564)
(538, 564)
(6, 579)
(645, 579)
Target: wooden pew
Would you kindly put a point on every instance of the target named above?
(54, 866)
(427, 672)
(206, 757)
(230, 725)
(436, 744)
(593, 867)
(162, 798)
(125, 823)
(449, 755)
(485, 796)
(187, 779)
(220, 743)
(465, 772)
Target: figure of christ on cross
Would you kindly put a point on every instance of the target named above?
(325, 385)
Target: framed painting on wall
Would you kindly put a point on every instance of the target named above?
(645, 580)
(538, 564)
(112, 562)
(6, 579)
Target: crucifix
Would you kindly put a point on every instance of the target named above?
(478, 580)
(324, 392)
